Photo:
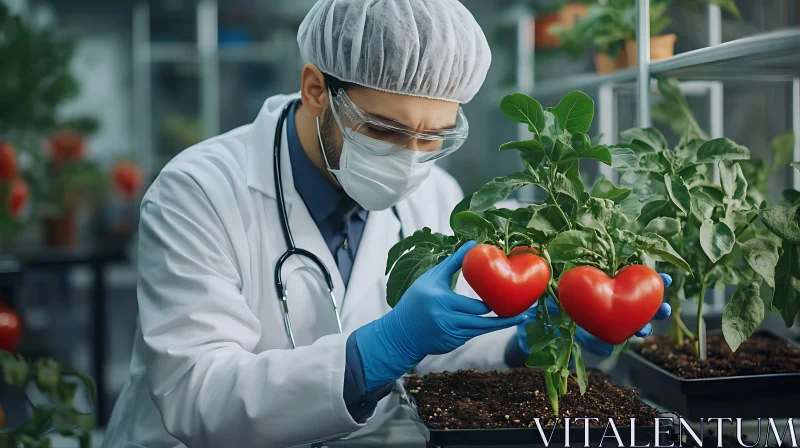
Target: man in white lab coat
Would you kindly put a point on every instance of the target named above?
(213, 362)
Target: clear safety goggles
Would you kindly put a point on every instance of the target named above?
(392, 136)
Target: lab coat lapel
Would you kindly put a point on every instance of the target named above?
(367, 278)
(304, 230)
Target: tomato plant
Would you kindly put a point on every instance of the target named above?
(10, 328)
(727, 230)
(58, 384)
(8, 162)
(570, 228)
(128, 178)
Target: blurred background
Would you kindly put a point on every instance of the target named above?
(97, 96)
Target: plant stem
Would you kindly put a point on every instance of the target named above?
(505, 232)
(546, 313)
(552, 292)
(700, 302)
(744, 227)
(676, 329)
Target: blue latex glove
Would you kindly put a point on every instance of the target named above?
(430, 319)
(587, 341)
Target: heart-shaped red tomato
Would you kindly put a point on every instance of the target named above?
(509, 285)
(611, 309)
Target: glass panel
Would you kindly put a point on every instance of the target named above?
(176, 106)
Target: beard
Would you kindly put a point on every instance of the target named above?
(331, 148)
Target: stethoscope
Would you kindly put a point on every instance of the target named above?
(280, 288)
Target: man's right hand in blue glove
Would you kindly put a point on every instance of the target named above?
(430, 319)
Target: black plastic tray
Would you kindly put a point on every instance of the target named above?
(530, 437)
(748, 397)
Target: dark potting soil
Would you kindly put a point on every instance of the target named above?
(467, 399)
(761, 354)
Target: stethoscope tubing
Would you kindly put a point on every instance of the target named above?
(292, 249)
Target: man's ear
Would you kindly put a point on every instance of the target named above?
(313, 90)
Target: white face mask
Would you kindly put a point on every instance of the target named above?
(377, 182)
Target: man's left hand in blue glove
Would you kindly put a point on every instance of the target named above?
(519, 348)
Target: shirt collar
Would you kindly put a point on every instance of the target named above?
(321, 198)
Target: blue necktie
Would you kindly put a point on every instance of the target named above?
(345, 253)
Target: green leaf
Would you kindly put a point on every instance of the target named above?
(723, 274)
(498, 190)
(420, 237)
(654, 162)
(620, 348)
(762, 255)
(566, 186)
(702, 204)
(599, 153)
(653, 209)
(15, 370)
(630, 208)
(716, 239)
(409, 267)
(531, 151)
(783, 148)
(623, 159)
(524, 109)
(660, 249)
(782, 221)
(604, 189)
(573, 173)
(719, 149)
(678, 192)
(470, 226)
(575, 112)
(572, 244)
(652, 137)
(541, 227)
(638, 147)
(664, 226)
(734, 185)
(580, 142)
(540, 360)
(742, 315)
(580, 368)
(785, 296)
(791, 196)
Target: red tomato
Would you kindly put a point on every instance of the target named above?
(10, 329)
(128, 178)
(19, 197)
(8, 162)
(67, 146)
(509, 286)
(611, 309)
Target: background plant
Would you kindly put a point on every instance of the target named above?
(573, 226)
(56, 383)
(717, 227)
(35, 80)
(610, 23)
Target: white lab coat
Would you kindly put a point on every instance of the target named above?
(212, 364)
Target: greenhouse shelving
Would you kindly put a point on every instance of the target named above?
(766, 57)
(769, 56)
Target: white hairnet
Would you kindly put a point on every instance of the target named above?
(428, 48)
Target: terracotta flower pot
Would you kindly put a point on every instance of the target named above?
(661, 47)
(565, 17)
(604, 64)
(61, 231)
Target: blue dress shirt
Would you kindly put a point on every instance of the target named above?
(341, 222)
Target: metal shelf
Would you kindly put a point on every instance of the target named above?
(770, 56)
